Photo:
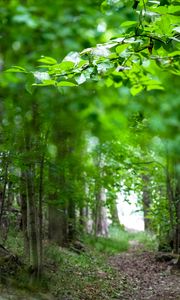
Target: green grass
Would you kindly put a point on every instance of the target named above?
(81, 276)
(147, 240)
(119, 241)
(108, 245)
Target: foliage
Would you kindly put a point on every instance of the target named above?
(146, 44)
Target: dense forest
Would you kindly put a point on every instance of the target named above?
(90, 108)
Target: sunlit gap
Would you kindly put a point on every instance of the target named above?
(129, 213)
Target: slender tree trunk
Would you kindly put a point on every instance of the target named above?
(170, 198)
(177, 213)
(114, 213)
(71, 221)
(3, 225)
(173, 195)
(101, 226)
(40, 212)
(178, 263)
(32, 220)
(5, 181)
(83, 218)
(23, 199)
(177, 231)
(146, 198)
(9, 196)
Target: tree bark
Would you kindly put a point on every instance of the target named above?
(177, 209)
(32, 221)
(57, 230)
(23, 201)
(3, 225)
(146, 199)
(40, 212)
(71, 221)
(114, 213)
(101, 226)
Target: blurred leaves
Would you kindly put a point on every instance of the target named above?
(129, 52)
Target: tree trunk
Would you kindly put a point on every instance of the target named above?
(40, 211)
(146, 199)
(57, 231)
(170, 198)
(173, 195)
(177, 209)
(83, 219)
(32, 221)
(114, 213)
(57, 211)
(23, 201)
(3, 223)
(71, 221)
(101, 226)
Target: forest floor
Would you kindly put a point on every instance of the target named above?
(148, 277)
(136, 274)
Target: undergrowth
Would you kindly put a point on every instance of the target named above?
(88, 273)
(119, 241)
(72, 276)
(14, 242)
(147, 240)
(82, 276)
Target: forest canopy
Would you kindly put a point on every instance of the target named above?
(142, 47)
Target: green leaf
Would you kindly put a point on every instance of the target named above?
(45, 83)
(165, 24)
(29, 83)
(62, 67)
(109, 82)
(136, 89)
(121, 48)
(66, 65)
(160, 9)
(172, 9)
(174, 53)
(16, 69)
(142, 3)
(155, 87)
(129, 23)
(48, 60)
(65, 83)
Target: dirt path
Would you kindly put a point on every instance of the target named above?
(149, 278)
